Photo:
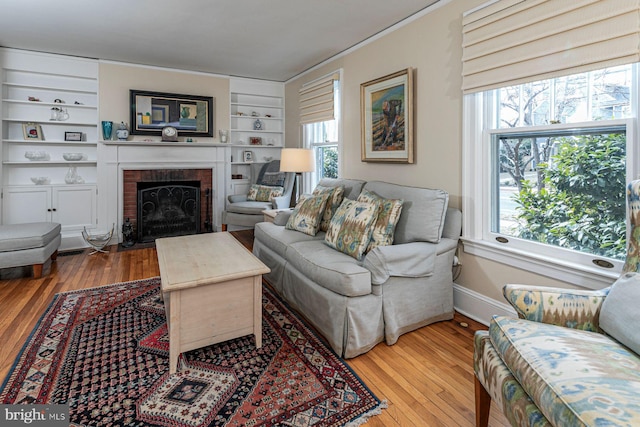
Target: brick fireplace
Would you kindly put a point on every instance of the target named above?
(132, 178)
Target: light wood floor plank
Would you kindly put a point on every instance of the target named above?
(426, 377)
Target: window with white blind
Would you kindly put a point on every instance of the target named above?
(321, 128)
(549, 147)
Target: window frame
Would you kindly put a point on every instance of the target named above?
(557, 263)
(311, 178)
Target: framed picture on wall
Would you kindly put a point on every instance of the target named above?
(387, 118)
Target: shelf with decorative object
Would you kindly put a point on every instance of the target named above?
(49, 140)
(256, 126)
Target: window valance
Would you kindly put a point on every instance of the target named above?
(510, 42)
(316, 100)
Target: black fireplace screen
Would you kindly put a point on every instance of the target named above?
(170, 209)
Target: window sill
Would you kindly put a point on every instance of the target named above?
(575, 274)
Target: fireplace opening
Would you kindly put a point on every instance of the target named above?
(167, 209)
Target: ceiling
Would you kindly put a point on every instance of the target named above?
(264, 39)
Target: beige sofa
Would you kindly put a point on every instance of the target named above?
(393, 290)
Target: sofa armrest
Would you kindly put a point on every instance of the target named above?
(235, 198)
(281, 202)
(282, 217)
(570, 308)
(416, 259)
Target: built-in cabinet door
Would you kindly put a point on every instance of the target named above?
(26, 204)
(74, 206)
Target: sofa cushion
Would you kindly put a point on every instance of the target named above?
(329, 268)
(351, 227)
(352, 187)
(389, 211)
(336, 194)
(619, 315)
(575, 377)
(17, 237)
(264, 193)
(249, 207)
(278, 238)
(423, 211)
(307, 214)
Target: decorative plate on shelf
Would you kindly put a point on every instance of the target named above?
(257, 125)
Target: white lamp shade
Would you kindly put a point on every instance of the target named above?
(297, 160)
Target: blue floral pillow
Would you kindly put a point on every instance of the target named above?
(351, 227)
(307, 214)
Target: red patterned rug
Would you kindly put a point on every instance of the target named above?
(104, 352)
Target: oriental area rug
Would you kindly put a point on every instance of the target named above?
(105, 352)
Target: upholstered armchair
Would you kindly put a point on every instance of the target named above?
(245, 210)
(571, 358)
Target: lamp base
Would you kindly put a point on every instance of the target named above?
(296, 191)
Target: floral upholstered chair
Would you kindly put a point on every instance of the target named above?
(572, 356)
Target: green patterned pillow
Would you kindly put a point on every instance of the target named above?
(351, 227)
(307, 214)
(336, 194)
(389, 211)
(264, 193)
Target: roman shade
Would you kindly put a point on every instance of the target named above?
(316, 99)
(510, 42)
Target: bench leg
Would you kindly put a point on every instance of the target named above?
(54, 256)
(223, 227)
(37, 271)
(483, 404)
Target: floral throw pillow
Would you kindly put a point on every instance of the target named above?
(351, 227)
(336, 194)
(307, 214)
(388, 216)
(264, 193)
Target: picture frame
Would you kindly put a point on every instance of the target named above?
(73, 136)
(247, 156)
(150, 112)
(255, 140)
(386, 105)
(32, 132)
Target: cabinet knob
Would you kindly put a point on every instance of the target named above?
(48, 210)
(54, 209)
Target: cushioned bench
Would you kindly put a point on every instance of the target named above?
(29, 244)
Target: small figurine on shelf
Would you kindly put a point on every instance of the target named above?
(128, 239)
(122, 133)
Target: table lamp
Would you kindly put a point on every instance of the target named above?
(297, 160)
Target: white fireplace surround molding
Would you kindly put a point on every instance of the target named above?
(114, 158)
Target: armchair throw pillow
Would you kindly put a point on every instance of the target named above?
(619, 313)
(307, 214)
(389, 211)
(264, 193)
(351, 227)
(336, 194)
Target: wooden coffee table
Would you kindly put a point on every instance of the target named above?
(212, 291)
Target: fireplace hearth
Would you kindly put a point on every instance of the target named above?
(168, 209)
(167, 202)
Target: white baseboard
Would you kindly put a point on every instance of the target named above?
(477, 306)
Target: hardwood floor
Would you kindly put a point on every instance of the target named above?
(426, 377)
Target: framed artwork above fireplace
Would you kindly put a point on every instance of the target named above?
(150, 112)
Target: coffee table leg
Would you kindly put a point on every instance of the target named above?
(257, 309)
(173, 323)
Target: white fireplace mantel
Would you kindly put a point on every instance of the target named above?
(116, 156)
